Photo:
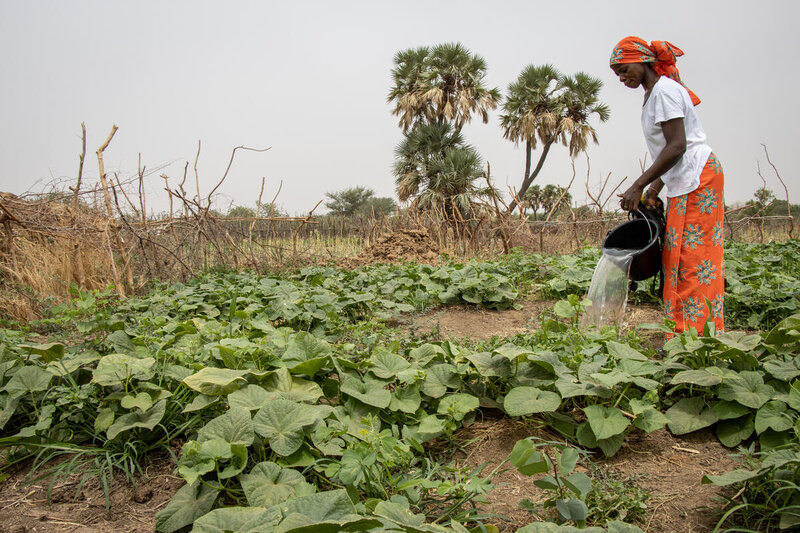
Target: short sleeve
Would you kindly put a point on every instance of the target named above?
(668, 103)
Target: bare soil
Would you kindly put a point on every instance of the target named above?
(670, 468)
(24, 507)
(458, 322)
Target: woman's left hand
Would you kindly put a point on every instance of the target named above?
(629, 200)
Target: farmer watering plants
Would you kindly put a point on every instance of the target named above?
(693, 241)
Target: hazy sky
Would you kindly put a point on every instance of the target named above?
(310, 79)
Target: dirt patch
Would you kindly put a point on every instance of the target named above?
(457, 322)
(670, 468)
(24, 507)
(402, 245)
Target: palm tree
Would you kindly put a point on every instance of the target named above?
(546, 106)
(408, 85)
(580, 103)
(435, 169)
(440, 84)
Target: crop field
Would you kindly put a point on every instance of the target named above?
(405, 397)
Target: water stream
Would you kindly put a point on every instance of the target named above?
(609, 288)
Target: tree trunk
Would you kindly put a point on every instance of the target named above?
(529, 179)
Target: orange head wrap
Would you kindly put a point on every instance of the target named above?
(661, 54)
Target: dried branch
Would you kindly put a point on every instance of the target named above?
(785, 190)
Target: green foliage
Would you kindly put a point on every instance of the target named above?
(358, 200)
(762, 284)
(294, 400)
(241, 211)
(573, 497)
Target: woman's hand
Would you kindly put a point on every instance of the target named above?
(629, 200)
(650, 198)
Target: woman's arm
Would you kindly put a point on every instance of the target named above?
(675, 135)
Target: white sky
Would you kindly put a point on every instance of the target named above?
(310, 80)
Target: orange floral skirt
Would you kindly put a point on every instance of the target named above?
(694, 288)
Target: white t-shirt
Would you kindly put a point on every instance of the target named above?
(669, 100)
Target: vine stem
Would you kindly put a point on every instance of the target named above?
(627, 386)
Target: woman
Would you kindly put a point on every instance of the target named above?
(693, 242)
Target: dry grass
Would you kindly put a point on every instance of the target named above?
(53, 243)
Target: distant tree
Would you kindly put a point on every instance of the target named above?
(347, 201)
(551, 194)
(444, 83)
(545, 106)
(241, 211)
(763, 196)
(379, 206)
(533, 199)
(358, 200)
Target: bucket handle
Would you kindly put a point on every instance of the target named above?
(647, 219)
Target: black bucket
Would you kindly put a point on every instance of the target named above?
(642, 236)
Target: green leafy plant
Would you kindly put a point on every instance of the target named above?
(565, 489)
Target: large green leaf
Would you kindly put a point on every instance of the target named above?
(216, 381)
(458, 405)
(115, 368)
(142, 401)
(570, 389)
(429, 428)
(618, 350)
(690, 414)
(773, 415)
(386, 364)
(739, 341)
(268, 484)
(238, 520)
(28, 379)
(321, 506)
(726, 410)
(783, 370)
(250, 397)
(696, 377)
(406, 399)
(648, 418)
(369, 391)
(306, 354)
(281, 384)
(138, 419)
(200, 402)
(49, 352)
(439, 378)
(491, 364)
(282, 423)
(186, 506)
(609, 446)
(522, 401)
(729, 478)
(120, 342)
(605, 421)
(526, 458)
(574, 510)
(732, 432)
(300, 523)
(747, 388)
(70, 363)
(234, 426)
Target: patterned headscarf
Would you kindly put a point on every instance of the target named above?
(661, 54)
